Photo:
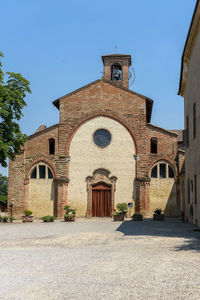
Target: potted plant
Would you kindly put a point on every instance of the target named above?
(48, 218)
(27, 217)
(11, 218)
(5, 219)
(137, 217)
(158, 216)
(122, 211)
(70, 214)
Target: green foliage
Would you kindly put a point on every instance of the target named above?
(136, 215)
(122, 207)
(3, 189)
(12, 94)
(48, 218)
(70, 210)
(69, 216)
(117, 213)
(158, 211)
(4, 199)
(28, 212)
(11, 218)
(5, 219)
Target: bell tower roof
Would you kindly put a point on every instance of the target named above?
(116, 56)
(116, 68)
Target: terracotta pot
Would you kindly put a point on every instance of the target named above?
(138, 218)
(160, 217)
(27, 219)
(69, 219)
(119, 218)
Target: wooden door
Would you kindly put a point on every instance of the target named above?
(101, 200)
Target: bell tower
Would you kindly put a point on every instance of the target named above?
(116, 68)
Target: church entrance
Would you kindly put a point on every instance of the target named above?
(101, 200)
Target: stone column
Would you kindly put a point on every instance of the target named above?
(61, 185)
(142, 195)
(178, 196)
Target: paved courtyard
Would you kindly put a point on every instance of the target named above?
(99, 259)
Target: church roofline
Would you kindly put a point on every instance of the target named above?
(42, 131)
(192, 33)
(165, 130)
(148, 100)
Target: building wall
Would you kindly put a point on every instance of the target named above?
(35, 149)
(192, 157)
(41, 197)
(86, 157)
(163, 195)
(101, 104)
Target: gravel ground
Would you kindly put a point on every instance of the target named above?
(99, 259)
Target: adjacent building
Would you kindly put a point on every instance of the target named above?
(190, 90)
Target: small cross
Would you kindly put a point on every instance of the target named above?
(116, 49)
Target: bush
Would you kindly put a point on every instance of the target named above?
(11, 218)
(69, 216)
(5, 219)
(28, 212)
(122, 208)
(158, 211)
(136, 215)
(48, 218)
(70, 210)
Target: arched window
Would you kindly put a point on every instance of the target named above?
(154, 172)
(154, 146)
(34, 173)
(171, 172)
(162, 170)
(41, 171)
(51, 146)
(116, 72)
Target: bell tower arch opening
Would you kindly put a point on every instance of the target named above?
(116, 68)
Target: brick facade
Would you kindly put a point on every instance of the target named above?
(102, 98)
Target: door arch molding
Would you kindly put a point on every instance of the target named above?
(100, 176)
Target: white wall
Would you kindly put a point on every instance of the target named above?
(86, 157)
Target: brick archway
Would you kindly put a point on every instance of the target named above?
(93, 116)
(164, 159)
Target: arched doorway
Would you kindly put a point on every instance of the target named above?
(101, 200)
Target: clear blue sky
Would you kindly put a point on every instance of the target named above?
(57, 46)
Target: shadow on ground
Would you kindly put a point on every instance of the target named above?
(169, 228)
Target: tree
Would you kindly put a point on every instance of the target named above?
(12, 94)
(3, 189)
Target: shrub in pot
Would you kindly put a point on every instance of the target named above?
(158, 216)
(5, 219)
(27, 217)
(70, 214)
(137, 217)
(48, 218)
(11, 218)
(122, 211)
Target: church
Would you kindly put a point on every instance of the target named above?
(103, 151)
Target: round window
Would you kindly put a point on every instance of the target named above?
(102, 137)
